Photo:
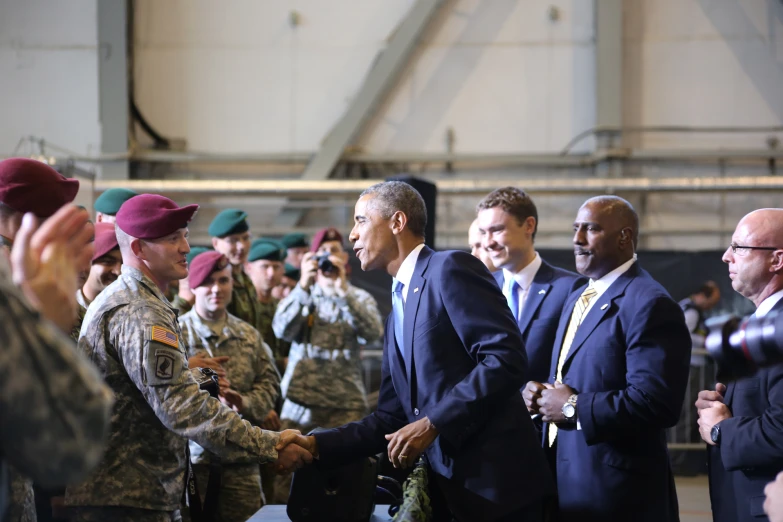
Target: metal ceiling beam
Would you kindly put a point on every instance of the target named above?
(378, 82)
(571, 185)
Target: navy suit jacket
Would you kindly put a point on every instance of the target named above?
(464, 362)
(629, 364)
(750, 453)
(541, 314)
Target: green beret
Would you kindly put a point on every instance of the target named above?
(194, 251)
(111, 200)
(268, 249)
(295, 240)
(230, 221)
(292, 272)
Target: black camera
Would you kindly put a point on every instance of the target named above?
(325, 264)
(741, 346)
(208, 380)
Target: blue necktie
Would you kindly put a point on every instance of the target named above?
(397, 307)
(513, 298)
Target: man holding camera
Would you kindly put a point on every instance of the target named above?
(209, 330)
(742, 422)
(324, 317)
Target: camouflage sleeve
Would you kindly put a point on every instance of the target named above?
(149, 349)
(262, 397)
(289, 321)
(361, 312)
(54, 406)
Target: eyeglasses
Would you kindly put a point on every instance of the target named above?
(734, 247)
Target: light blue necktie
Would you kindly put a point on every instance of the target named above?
(513, 298)
(397, 307)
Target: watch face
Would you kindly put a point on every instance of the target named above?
(569, 411)
(715, 434)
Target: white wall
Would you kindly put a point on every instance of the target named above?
(49, 73)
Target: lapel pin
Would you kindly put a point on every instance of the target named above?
(604, 306)
(542, 291)
(415, 289)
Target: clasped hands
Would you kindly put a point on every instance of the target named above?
(711, 411)
(547, 399)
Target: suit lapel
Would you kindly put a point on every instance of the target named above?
(415, 290)
(600, 309)
(565, 318)
(535, 295)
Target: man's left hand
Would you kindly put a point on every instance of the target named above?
(407, 443)
(773, 504)
(552, 400)
(232, 399)
(709, 417)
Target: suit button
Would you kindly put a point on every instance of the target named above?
(416, 411)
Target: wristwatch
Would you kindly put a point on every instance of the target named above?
(569, 409)
(715, 434)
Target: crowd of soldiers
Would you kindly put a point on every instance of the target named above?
(150, 312)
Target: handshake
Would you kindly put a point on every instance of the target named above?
(294, 450)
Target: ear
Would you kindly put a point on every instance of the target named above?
(214, 243)
(530, 225)
(137, 248)
(777, 262)
(398, 222)
(626, 237)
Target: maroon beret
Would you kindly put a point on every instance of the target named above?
(150, 216)
(324, 235)
(28, 185)
(203, 265)
(105, 239)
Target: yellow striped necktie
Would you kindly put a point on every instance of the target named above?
(577, 316)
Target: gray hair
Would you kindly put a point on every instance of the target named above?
(397, 196)
(123, 239)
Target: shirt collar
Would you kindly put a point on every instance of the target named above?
(82, 299)
(768, 303)
(525, 276)
(405, 273)
(602, 285)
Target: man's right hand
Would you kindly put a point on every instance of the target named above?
(293, 451)
(309, 270)
(46, 259)
(707, 397)
(531, 394)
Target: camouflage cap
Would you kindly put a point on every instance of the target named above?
(268, 249)
(111, 200)
(28, 185)
(227, 222)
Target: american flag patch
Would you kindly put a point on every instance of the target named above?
(164, 336)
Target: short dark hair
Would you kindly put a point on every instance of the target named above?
(393, 196)
(624, 212)
(513, 201)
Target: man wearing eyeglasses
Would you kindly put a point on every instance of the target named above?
(742, 422)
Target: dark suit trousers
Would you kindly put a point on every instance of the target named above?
(443, 512)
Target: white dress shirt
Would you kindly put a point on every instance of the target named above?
(405, 273)
(524, 279)
(603, 284)
(768, 303)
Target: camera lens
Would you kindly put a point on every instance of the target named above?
(741, 346)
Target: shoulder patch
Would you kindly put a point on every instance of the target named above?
(165, 336)
(164, 365)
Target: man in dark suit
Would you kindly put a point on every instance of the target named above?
(743, 422)
(619, 372)
(452, 366)
(535, 290)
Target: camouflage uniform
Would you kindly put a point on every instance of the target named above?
(131, 333)
(181, 305)
(55, 432)
(335, 394)
(253, 374)
(81, 300)
(280, 347)
(244, 303)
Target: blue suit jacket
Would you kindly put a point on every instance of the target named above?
(629, 364)
(751, 445)
(464, 364)
(541, 314)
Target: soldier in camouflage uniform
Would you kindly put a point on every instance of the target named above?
(54, 409)
(26, 186)
(231, 237)
(255, 382)
(131, 332)
(104, 270)
(326, 341)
